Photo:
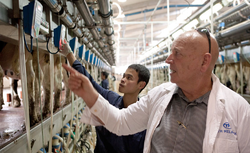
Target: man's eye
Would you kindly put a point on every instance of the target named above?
(177, 53)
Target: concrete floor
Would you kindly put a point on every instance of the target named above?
(11, 121)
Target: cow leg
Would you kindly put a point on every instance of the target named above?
(246, 73)
(232, 74)
(16, 99)
(46, 90)
(30, 84)
(58, 83)
(37, 69)
(1, 87)
(67, 98)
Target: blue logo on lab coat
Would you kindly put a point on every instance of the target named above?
(226, 125)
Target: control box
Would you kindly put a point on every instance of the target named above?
(236, 57)
(87, 56)
(94, 60)
(32, 16)
(81, 51)
(73, 44)
(221, 59)
(91, 58)
(59, 35)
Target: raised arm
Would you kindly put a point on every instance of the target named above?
(81, 86)
(66, 51)
(122, 122)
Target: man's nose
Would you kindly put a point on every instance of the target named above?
(169, 59)
(123, 79)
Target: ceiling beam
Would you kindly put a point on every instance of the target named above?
(145, 22)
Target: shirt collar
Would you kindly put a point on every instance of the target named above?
(203, 98)
(120, 104)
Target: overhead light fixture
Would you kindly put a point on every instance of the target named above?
(122, 0)
(191, 25)
(163, 33)
(207, 14)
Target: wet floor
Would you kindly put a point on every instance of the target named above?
(11, 123)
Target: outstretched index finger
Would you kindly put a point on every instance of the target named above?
(70, 69)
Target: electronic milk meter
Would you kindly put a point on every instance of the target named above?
(32, 16)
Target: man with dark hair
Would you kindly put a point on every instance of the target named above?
(143, 74)
(105, 82)
(193, 113)
(134, 80)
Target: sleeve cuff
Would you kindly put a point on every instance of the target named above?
(99, 104)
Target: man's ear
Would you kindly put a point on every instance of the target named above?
(206, 62)
(142, 84)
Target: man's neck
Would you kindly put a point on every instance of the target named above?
(197, 91)
(129, 99)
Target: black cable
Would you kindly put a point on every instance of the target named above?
(67, 64)
(31, 43)
(48, 47)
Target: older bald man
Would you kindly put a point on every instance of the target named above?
(194, 113)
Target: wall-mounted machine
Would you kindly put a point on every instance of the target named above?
(81, 52)
(87, 53)
(91, 58)
(236, 57)
(59, 38)
(32, 16)
(59, 35)
(73, 44)
(221, 59)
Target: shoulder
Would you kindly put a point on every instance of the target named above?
(164, 87)
(161, 91)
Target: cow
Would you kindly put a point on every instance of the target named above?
(10, 65)
(246, 74)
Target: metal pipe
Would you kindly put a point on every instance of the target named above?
(145, 22)
(55, 7)
(106, 13)
(234, 29)
(104, 6)
(77, 32)
(66, 19)
(84, 11)
(192, 17)
(89, 45)
(100, 43)
(95, 34)
(227, 13)
(162, 7)
(241, 14)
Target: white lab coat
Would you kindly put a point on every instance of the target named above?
(227, 125)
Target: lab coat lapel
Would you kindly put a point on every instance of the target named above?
(215, 111)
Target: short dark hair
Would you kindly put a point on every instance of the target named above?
(143, 73)
(105, 74)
